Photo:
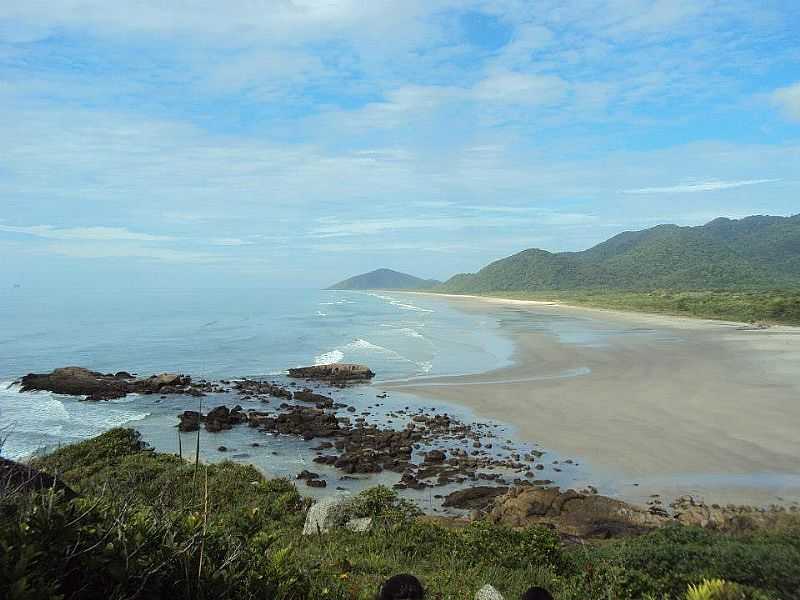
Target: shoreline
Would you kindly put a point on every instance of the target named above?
(667, 319)
(685, 406)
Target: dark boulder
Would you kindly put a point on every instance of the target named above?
(190, 420)
(218, 419)
(475, 498)
(20, 478)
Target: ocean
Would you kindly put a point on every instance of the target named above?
(224, 334)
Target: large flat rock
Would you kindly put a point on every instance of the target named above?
(334, 372)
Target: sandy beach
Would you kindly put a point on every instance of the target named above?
(653, 403)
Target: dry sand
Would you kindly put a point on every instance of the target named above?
(691, 406)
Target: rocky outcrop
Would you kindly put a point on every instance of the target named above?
(220, 418)
(321, 517)
(319, 400)
(77, 381)
(690, 511)
(306, 422)
(336, 372)
(487, 592)
(217, 419)
(20, 478)
(572, 513)
(249, 388)
(190, 420)
(474, 498)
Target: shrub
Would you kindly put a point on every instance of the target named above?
(483, 542)
(381, 504)
(719, 589)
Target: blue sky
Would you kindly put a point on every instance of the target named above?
(295, 142)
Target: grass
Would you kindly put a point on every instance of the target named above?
(146, 527)
(773, 307)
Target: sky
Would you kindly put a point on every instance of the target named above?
(297, 142)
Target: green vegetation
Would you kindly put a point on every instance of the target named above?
(745, 306)
(758, 252)
(149, 525)
(384, 279)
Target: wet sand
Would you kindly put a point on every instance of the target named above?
(659, 404)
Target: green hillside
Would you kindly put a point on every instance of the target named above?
(151, 525)
(756, 252)
(384, 279)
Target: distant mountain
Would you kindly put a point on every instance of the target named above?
(385, 279)
(754, 252)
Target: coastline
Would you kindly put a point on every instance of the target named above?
(695, 406)
(666, 319)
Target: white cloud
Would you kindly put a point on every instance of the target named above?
(788, 100)
(230, 242)
(704, 186)
(85, 233)
(94, 250)
(519, 88)
(332, 227)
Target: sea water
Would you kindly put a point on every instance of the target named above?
(220, 333)
(223, 334)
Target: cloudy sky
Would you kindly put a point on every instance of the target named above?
(295, 142)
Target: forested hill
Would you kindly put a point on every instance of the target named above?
(754, 252)
(384, 279)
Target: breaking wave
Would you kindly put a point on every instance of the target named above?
(328, 358)
(400, 305)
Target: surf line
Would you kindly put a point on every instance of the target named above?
(419, 381)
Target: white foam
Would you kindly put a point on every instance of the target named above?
(359, 344)
(321, 314)
(425, 366)
(401, 305)
(34, 419)
(328, 358)
(411, 307)
(411, 332)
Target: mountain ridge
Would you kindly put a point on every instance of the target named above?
(384, 279)
(759, 251)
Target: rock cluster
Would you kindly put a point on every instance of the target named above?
(217, 419)
(249, 388)
(77, 381)
(690, 511)
(308, 423)
(358, 447)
